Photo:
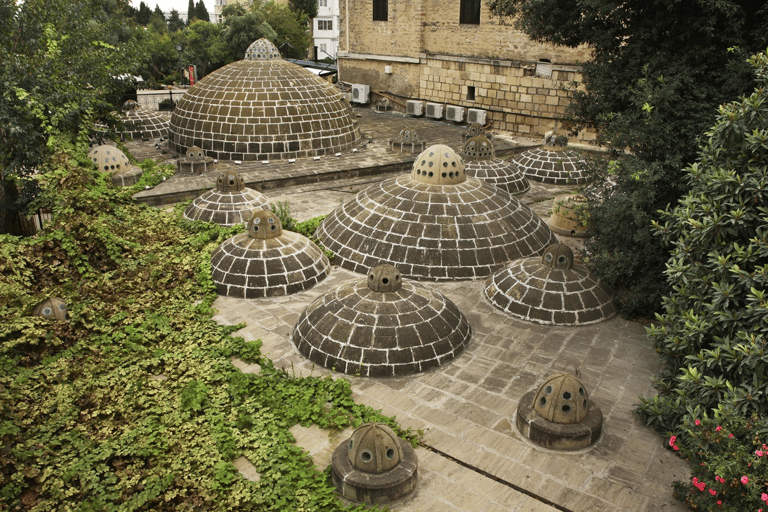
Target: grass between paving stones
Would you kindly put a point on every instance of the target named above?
(133, 404)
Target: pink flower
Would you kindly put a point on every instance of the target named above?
(697, 422)
(759, 453)
(719, 428)
(764, 497)
(695, 480)
(730, 435)
(672, 440)
(744, 480)
(712, 492)
(719, 502)
(675, 447)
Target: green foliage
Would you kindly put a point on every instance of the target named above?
(308, 7)
(729, 462)
(285, 28)
(134, 403)
(712, 334)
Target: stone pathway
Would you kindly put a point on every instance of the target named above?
(466, 408)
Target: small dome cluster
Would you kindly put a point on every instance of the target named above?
(483, 165)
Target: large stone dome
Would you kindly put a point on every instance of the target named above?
(434, 224)
(263, 108)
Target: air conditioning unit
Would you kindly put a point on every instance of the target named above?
(475, 115)
(454, 113)
(361, 93)
(435, 110)
(414, 108)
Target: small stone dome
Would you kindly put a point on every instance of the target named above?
(558, 166)
(53, 308)
(479, 148)
(230, 203)
(558, 256)
(408, 134)
(550, 289)
(374, 466)
(266, 261)
(109, 159)
(375, 328)
(195, 153)
(385, 278)
(562, 399)
(439, 165)
(475, 129)
(560, 415)
(143, 124)
(263, 108)
(374, 448)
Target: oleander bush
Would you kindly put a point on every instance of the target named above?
(133, 404)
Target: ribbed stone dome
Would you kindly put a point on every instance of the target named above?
(434, 227)
(230, 203)
(481, 162)
(375, 328)
(109, 159)
(263, 108)
(139, 123)
(550, 165)
(550, 289)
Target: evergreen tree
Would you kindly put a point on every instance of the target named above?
(191, 12)
(175, 23)
(159, 13)
(308, 7)
(202, 12)
(142, 18)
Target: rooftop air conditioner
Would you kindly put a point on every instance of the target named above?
(360, 93)
(475, 115)
(414, 108)
(454, 113)
(435, 110)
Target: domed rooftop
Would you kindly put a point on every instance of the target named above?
(381, 326)
(434, 224)
(550, 289)
(265, 261)
(143, 124)
(263, 108)
(483, 165)
(552, 164)
(109, 159)
(230, 203)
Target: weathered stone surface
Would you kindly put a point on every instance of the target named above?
(562, 167)
(263, 109)
(501, 173)
(354, 329)
(558, 436)
(226, 208)
(533, 291)
(144, 124)
(567, 215)
(462, 229)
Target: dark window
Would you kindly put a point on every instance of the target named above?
(470, 12)
(380, 10)
(471, 92)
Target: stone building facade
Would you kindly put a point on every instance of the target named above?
(453, 53)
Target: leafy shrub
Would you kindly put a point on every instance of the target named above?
(712, 334)
(166, 105)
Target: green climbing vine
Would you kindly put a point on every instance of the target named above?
(133, 404)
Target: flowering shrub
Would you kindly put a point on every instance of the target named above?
(729, 463)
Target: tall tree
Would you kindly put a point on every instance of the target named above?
(145, 13)
(286, 29)
(658, 71)
(175, 23)
(201, 12)
(191, 12)
(158, 12)
(60, 59)
(205, 46)
(308, 7)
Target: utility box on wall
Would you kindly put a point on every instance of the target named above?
(414, 107)
(435, 110)
(475, 115)
(361, 93)
(454, 113)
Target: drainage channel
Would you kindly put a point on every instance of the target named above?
(495, 478)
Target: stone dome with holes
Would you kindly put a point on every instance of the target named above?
(434, 224)
(230, 203)
(381, 326)
(550, 289)
(109, 159)
(481, 162)
(266, 261)
(143, 124)
(552, 164)
(52, 308)
(374, 466)
(560, 415)
(263, 108)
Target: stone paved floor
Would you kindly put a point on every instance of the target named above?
(466, 408)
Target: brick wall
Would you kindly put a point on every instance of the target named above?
(433, 57)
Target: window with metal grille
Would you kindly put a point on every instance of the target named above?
(381, 10)
(469, 13)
